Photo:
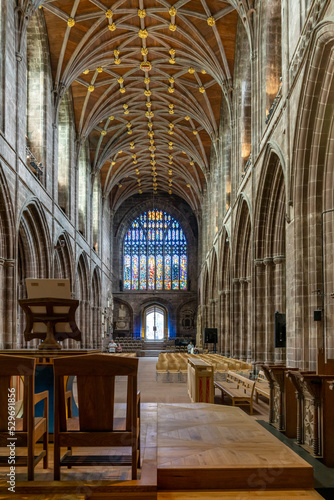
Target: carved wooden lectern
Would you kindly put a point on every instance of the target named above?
(58, 315)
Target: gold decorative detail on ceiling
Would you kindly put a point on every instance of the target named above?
(160, 31)
(142, 34)
(145, 66)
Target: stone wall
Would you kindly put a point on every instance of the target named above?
(256, 245)
(268, 246)
(40, 237)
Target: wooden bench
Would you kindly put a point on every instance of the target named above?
(240, 389)
(262, 386)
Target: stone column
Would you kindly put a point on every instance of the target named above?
(83, 326)
(212, 313)
(235, 341)
(243, 318)
(93, 323)
(88, 323)
(279, 280)
(216, 320)
(250, 333)
(227, 322)
(222, 336)
(10, 304)
(259, 324)
(20, 295)
(199, 327)
(269, 310)
(98, 328)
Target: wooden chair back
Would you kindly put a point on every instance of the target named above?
(11, 366)
(96, 390)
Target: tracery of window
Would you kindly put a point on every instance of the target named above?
(155, 253)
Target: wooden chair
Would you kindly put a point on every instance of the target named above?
(96, 425)
(28, 429)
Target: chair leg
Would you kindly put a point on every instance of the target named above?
(30, 463)
(56, 465)
(46, 449)
(134, 462)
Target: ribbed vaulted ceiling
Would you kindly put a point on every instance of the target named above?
(147, 80)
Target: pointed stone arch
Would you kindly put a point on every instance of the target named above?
(82, 287)
(34, 258)
(269, 250)
(63, 258)
(242, 317)
(225, 292)
(96, 327)
(213, 310)
(312, 194)
(202, 315)
(7, 267)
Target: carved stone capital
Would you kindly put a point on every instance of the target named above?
(268, 261)
(258, 262)
(9, 263)
(279, 259)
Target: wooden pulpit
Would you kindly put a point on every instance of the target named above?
(51, 320)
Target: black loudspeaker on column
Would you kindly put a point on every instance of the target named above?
(280, 329)
(210, 335)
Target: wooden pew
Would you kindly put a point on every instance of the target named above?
(240, 389)
(262, 386)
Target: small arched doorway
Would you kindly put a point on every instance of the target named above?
(155, 321)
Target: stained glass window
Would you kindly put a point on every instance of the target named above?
(155, 253)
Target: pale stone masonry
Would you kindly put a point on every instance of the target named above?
(255, 246)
